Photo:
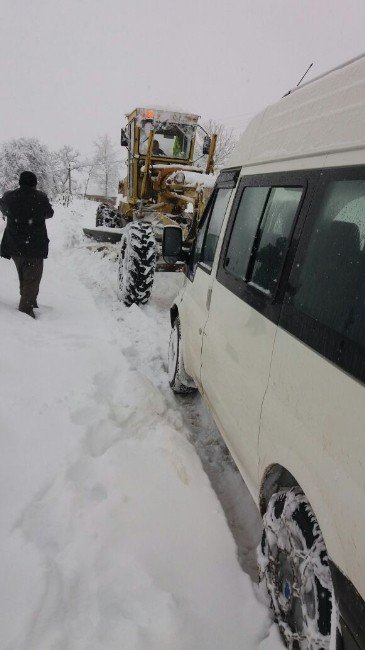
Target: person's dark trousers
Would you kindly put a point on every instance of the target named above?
(30, 271)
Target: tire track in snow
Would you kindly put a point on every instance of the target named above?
(146, 331)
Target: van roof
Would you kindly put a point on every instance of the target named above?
(320, 76)
(324, 116)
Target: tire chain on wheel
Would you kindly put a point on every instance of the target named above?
(289, 522)
(137, 263)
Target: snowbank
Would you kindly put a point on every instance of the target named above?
(111, 536)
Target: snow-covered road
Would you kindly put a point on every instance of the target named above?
(111, 536)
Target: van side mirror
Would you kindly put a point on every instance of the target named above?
(172, 250)
(206, 145)
(123, 138)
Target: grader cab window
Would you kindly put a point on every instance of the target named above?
(170, 140)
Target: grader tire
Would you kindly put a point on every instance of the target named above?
(107, 216)
(137, 263)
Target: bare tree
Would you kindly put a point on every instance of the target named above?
(67, 160)
(105, 164)
(88, 167)
(226, 141)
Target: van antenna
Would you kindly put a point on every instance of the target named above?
(305, 74)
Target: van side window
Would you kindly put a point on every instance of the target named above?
(199, 241)
(273, 237)
(244, 230)
(260, 235)
(209, 230)
(331, 283)
(214, 227)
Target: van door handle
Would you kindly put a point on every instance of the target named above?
(209, 297)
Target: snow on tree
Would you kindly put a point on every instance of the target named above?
(87, 171)
(67, 160)
(25, 154)
(106, 165)
(226, 141)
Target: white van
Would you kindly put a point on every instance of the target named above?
(270, 327)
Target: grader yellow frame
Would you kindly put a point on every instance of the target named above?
(155, 182)
(163, 186)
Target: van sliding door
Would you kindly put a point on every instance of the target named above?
(313, 414)
(245, 307)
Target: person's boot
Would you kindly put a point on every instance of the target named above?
(26, 309)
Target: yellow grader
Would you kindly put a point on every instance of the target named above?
(163, 186)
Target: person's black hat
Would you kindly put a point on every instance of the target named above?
(28, 178)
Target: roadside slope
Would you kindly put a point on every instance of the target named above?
(111, 535)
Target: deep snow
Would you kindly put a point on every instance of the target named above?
(111, 535)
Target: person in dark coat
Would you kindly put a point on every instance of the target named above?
(25, 237)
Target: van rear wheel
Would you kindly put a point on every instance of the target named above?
(179, 381)
(293, 563)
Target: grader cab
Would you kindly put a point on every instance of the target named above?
(161, 147)
(163, 186)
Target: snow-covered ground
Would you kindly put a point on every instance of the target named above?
(111, 536)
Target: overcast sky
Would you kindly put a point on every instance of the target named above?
(71, 69)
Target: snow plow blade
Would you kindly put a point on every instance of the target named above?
(108, 235)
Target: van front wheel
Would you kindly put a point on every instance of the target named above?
(179, 381)
(293, 563)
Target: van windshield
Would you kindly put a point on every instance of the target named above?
(170, 140)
